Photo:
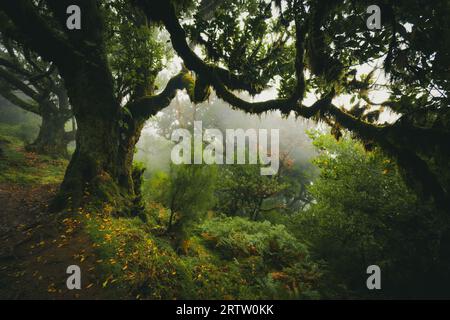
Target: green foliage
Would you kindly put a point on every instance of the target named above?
(12, 115)
(240, 237)
(268, 256)
(18, 123)
(141, 265)
(364, 214)
(187, 191)
(236, 36)
(135, 51)
(154, 187)
(22, 133)
(243, 190)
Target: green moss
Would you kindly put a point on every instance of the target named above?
(21, 167)
(20, 133)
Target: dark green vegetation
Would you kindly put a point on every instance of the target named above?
(376, 193)
(364, 212)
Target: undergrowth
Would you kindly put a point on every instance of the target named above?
(224, 258)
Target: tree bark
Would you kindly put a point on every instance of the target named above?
(100, 165)
(52, 139)
(101, 168)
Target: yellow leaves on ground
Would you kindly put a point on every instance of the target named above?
(81, 257)
(208, 236)
(70, 224)
(51, 288)
(186, 245)
(108, 209)
(108, 237)
(109, 280)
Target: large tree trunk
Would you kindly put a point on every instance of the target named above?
(52, 139)
(100, 170)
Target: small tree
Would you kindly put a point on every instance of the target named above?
(244, 191)
(188, 192)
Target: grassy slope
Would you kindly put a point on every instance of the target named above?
(119, 257)
(20, 167)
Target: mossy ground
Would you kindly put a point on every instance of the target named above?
(20, 167)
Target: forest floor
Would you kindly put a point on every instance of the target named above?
(36, 246)
(132, 257)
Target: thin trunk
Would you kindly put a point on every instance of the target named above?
(169, 226)
(257, 209)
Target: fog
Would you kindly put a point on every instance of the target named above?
(155, 146)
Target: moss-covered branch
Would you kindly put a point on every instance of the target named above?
(215, 77)
(147, 106)
(8, 94)
(19, 84)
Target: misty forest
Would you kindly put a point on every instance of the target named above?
(91, 98)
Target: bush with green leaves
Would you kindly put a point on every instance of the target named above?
(269, 256)
(240, 237)
(135, 262)
(243, 191)
(364, 214)
(187, 191)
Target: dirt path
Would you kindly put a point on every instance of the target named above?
(36, 248)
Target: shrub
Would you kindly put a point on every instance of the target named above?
(240, 237)
(187, 191)
(365, 214)
(268, 256)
